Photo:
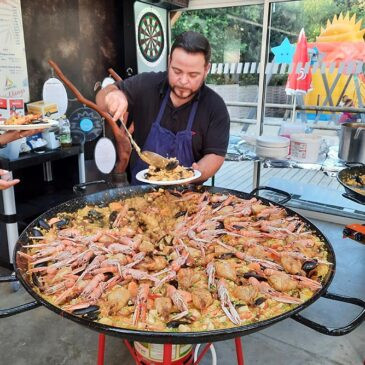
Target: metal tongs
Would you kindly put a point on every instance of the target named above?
(151, 158)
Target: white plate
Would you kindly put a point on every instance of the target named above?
(140, 177)
(25, 127)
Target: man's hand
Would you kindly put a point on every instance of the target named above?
(4, 182)
(113, 101)
(208, 166)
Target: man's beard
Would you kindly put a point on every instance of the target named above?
(189, 95)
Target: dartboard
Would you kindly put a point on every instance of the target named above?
(150, 37)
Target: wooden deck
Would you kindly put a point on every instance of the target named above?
(238, 175)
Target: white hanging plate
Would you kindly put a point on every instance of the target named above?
(55, 92)
(105, 155)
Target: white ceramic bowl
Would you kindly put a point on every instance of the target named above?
(273, 141)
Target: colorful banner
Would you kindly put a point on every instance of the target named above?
(13, 64)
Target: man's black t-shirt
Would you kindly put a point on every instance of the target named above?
(210, 131)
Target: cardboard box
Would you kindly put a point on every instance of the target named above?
(40, 107)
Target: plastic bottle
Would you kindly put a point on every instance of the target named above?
(65, 132)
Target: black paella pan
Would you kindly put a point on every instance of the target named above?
(106, 197)
(354, 171)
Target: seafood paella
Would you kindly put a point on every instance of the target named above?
(172, 172)
(176, 261)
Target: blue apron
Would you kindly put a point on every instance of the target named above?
(166, 143)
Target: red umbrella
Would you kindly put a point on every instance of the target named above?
(299, 81)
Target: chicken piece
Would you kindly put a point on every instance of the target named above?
(186, 278)
(282, 282)
(291, 265)
(202, 298)
(247, 293)
(155, 263)
(225, 270)
(118, 298)
(163, 306)
(146, 246)
(149, 220)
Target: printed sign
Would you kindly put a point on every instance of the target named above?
(16, 106)
(13, 64)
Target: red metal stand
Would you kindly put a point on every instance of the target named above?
(101, 349)
(167, 352)
(239, 351)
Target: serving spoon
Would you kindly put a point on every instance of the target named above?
(151, 158)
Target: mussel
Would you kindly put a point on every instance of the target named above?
(41, 264)
(309, 265)
(180, 214)
(259, 301)
(112, 217)
(220, 225)
(62, 223)
(226, 255)
(174, 283)
(236, 226)
(91, 312)
(216, 205)
(36, 281)
(36, 232)
(94, 214)
(172, 165)
(176, 324)
(43, 224)
(253, 274)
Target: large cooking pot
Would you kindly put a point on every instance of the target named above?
(352, 142)
(176, 337)
(352, 171)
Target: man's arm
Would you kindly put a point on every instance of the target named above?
(208, 166)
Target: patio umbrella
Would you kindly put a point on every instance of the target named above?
(299, 81)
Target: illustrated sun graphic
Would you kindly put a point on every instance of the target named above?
(342, 29)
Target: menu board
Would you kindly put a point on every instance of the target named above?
(13, 64)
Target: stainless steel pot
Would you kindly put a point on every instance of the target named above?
(352, 142)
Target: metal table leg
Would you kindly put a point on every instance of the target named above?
(81, 162)
(10, 209)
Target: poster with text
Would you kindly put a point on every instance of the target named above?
(13, 64)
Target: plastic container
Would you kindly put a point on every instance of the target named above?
(272, 152)
(287, 129)
(152, 354)
(305, 147)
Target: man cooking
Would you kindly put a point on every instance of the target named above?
(175, 114)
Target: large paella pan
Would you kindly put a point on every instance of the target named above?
(176, 266)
